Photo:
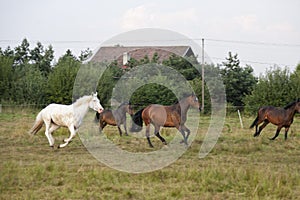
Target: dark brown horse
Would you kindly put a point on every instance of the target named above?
(166, 116)
(281, 117)
(115, 117)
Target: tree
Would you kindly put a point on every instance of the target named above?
(239, 81)
(183, 66)
(108, 80)
(295, 82)
(29, 86)
(61, 79)
(42, 58)
(274, 88)
(85, 55)
(6, 76)
(22, 53)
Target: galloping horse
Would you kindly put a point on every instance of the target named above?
(282, 117)
(56, 115)
(115, 117)
(166, 116)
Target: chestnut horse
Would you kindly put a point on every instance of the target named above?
(282, 117)
(115, 117)
(165, 116)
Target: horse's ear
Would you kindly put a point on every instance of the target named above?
(94, 94)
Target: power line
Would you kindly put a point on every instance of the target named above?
(164, 40)
(193, 39)
(254, 62)
(254, 43)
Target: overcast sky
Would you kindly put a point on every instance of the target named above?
(261, 32)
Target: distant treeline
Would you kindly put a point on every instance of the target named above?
(30, 76)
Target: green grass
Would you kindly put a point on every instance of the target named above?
(239, 166)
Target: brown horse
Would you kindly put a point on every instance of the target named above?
(115, 117)
(166, 116)
(282, 117)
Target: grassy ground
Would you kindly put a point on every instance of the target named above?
(239, 166)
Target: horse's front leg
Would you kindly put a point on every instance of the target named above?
(286, 132)
(277, 133)
(102, 124)
(67, 140)
(120, 131)
(186, 130)
(180, 129)
(125, 127)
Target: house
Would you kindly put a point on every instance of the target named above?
(122, 54)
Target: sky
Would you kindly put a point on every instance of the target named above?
(263, 33)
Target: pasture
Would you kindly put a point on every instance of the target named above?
(239, 167)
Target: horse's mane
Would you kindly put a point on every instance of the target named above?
(124, 103)
(291, 104)
(183, 97)
(82, 100)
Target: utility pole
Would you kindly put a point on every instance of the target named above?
(202, 106)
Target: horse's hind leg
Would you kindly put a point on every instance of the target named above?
(276, 134)
(156, 132)
(47, 133)
(148, 135)
(51, 130)
(266, 122)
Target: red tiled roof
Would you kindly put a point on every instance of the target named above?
(111, 53)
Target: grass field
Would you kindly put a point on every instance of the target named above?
(239, 166)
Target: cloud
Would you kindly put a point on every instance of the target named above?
(149, 15)
(246, 22)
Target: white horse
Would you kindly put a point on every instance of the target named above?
(71, 116)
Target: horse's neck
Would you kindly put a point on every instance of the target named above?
(291, 111)
(120, 112)
(182, 107)
(79, 112)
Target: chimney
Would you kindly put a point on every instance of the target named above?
(126, 58)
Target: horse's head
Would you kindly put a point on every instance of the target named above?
(129, 110)
(95, 103)
(126, 107)
(194, 101)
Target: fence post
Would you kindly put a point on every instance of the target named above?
(241, 121)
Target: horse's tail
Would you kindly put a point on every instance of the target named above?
(38, 124)
(137, 121)
(254, 122)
